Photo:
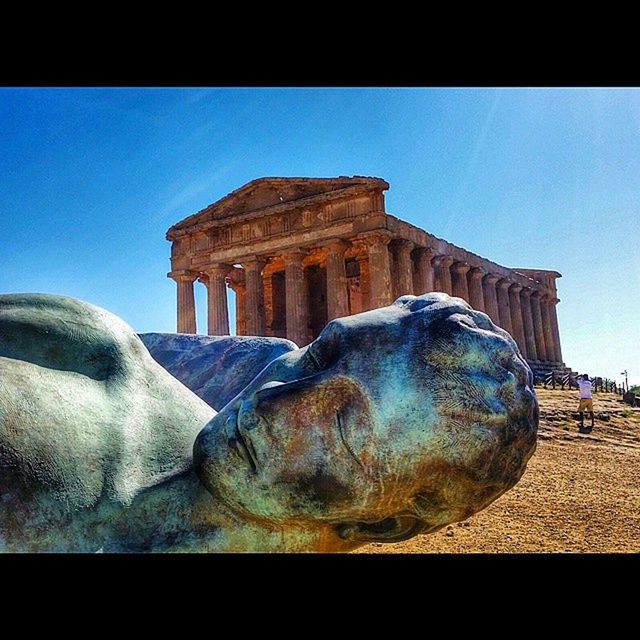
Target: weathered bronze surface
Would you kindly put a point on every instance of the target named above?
(393, 422)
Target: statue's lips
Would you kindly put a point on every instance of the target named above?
(239, 444)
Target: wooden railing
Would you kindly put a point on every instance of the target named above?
(561, 380)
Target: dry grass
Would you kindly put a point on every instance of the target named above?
(580, 493)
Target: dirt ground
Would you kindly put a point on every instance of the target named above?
(580, 493)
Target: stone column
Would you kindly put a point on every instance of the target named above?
(459, 280)
(474, 284)
(490, 297)
(441, 266)
(296, 294)
(546, 326)
(255, 297)
(527, 317)
(186, 307)
(423, 279)
(504, 312)
(337, 291)
(404, 268)
(380, 294)
(268, 299)
(393, 272)
(363, 268)
(217, 314)
(241, 309)
(553, 316)
(541, 347)
(516, 318)
(236, 282)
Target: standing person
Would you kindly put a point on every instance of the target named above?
(586, 402)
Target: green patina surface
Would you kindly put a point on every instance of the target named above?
(393, 422)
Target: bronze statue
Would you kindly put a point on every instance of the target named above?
(393, 422)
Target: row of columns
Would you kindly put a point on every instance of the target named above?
(529, 315)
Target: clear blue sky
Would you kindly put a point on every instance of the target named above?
(92, 178)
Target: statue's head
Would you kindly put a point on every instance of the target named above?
(393, 422)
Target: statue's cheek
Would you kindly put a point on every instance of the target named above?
(320, 431)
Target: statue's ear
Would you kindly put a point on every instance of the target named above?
(394, 529)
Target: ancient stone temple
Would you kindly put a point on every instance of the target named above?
(299, 252)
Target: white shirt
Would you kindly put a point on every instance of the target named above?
(585, 388)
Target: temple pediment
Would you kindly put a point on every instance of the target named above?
(267, 193)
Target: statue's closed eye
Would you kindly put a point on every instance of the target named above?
(344, 441)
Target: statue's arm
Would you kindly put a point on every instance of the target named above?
(216, 368)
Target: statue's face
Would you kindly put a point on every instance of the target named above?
(391, 422)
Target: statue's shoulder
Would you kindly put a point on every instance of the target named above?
(65, 334)
(85, 411)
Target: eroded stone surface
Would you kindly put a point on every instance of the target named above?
(299, 252)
